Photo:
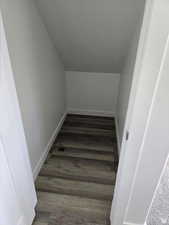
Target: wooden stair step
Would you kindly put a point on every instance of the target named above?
(72, 217)
(65, 216)
(84, 153)
(69, 217)
(86, 124)
(87, 130)
(74, 187)
(97, 143)
(52, 202)
(90, 119)
(79, 169)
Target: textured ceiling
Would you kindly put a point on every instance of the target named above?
(91, 35)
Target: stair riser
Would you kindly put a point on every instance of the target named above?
(75, 193)
(85, 154)
(76, 188)
(50, 202)
(79, 178)
(81, 146)
(77, 130)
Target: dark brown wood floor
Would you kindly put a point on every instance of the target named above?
(75, 186)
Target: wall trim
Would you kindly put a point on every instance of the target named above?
(117, 134)
(128, 223)
(91, 112)
(20, 221)
(48, 147)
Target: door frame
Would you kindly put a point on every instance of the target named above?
(137, 121)
(21, 151)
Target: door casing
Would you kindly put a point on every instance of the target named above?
(150, 55)
(12, 137)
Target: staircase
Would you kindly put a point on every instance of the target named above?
(75, 185)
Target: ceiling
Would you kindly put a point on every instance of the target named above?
(91, 35)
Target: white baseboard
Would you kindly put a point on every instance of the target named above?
(129, 223)
(48, 147)
(117, 134)
(21, 221)
(91, 112)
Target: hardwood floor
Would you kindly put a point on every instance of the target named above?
(76, 183)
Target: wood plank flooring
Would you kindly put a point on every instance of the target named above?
(86, 154)
(76, 184)
(84, 141)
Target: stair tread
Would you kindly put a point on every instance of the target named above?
(51, 202)
(74, 187)
(81, 169)
(90, 124)
(90, 119)
(86, 154)
(98, 143)
(87, 130)
(68, 216)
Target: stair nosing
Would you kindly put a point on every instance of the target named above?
(104, 201)
(73, 194)
(66, 126)
(79, 178)
(80, 158)
(87, 158)
(71, 179)
(76, 146)
(93, 179)
(81, 132)
(100, 208)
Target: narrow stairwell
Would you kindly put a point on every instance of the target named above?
(75, 185)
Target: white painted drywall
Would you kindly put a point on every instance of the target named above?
(38, 73)
(92, 93)
(126, 82)
(91, 35)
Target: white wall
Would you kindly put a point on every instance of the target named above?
(38, 74)
(92, 93)
(91, 35)
(126, 82)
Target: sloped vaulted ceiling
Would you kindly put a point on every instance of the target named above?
(91, 35)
